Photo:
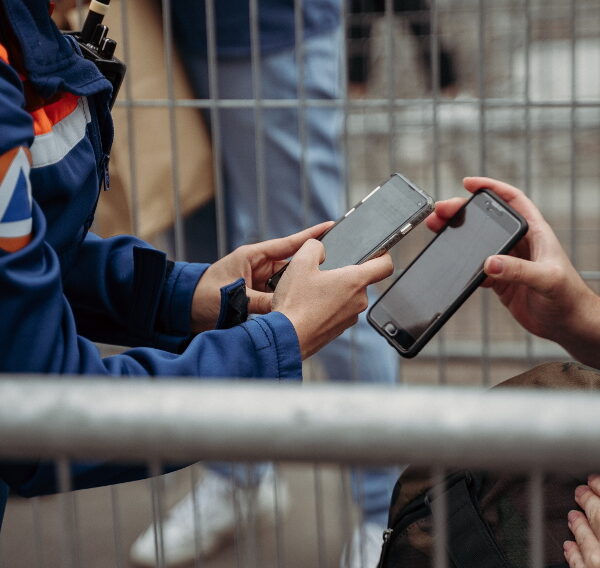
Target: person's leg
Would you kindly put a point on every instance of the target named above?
(360, 354)
(303, 184)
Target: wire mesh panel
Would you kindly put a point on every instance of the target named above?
(298, 514)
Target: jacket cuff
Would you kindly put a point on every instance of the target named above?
(234, 305)
(176, 308)
(278, 329)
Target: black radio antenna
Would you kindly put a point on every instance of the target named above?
(98, 9)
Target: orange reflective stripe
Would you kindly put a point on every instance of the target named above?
(13, 244)
(41, 122)
(62, 107)
(3, 54)
(45, 118)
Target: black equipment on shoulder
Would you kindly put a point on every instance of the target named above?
(96, 46)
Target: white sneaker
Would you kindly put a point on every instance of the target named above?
(364, 548)
(206, 518)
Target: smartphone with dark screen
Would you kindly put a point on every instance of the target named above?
(411, 311)
(372, 226)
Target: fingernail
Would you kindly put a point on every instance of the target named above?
(580, 490)
(593, 477)
(494, 266)
(572, 516)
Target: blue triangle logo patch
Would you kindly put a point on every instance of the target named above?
(19, 207)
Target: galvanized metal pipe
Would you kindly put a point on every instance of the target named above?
(177, 420)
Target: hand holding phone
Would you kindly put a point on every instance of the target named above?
(372, 226)
(321, 304)
(537, 282)
(446, 272)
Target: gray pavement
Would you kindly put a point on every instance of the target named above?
(311, 534)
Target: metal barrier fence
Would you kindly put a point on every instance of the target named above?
(178, 421)
(525, 108)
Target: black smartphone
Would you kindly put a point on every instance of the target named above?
(411, 311)
(372, 226)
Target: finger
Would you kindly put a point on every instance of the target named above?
(278, 249)
(585, 538)
(444, 211)
(512, 195)
(540, 277)
(573, 554)
(488, 283)
(311, 254)
(590, 503)
(259, 302)
(376, 269)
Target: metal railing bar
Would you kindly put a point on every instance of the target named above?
(180, 244)
(536, 519)
(117, 527)
(214, 103)
(259, 121)
(70, 529)
(362, 104)
(439, 511)
(182, 421)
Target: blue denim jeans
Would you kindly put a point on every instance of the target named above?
(360, 354)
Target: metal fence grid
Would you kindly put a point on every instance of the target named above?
(525, 109)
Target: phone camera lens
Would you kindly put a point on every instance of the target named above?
(390, 329)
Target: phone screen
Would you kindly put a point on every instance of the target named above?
(431, 285)
(366, 226)
(372, 226)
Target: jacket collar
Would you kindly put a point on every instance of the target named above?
(50, 60)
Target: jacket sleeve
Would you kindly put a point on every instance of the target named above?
(39, 333)
(124, 292)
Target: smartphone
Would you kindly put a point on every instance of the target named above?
(372, 226)
(411, 311)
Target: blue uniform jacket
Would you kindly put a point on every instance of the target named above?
(69, 288)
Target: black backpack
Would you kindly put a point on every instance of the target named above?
(488, 513)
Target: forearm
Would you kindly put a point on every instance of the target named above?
(580, 335)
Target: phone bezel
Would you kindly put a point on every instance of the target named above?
(391, 238)
(437, 323)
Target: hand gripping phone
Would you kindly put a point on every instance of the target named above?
(411, 311)
(372, 226)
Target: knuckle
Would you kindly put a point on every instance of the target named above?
(557, 275)
(243, 250)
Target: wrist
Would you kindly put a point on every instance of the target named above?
(299, 328)
(580, 333)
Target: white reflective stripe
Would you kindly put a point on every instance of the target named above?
(16, 228)
(51, 147)
(20, 163)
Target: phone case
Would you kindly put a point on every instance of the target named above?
(435, 326)
(383, 246)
